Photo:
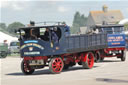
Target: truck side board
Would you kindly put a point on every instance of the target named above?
(81, 43)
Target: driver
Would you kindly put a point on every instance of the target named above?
(46, 35)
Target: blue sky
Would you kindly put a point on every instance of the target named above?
(51, 10)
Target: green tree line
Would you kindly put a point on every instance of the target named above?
(79, 21)
(10, 29)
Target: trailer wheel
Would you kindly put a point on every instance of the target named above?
(97, 57)
(26, 69)
(56, 65)
(88, 61)
(123, 56)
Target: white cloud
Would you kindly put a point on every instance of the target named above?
(62, 9)
(15, 5)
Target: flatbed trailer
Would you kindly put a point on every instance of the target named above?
(116, 42)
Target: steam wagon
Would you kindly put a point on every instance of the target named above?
(52, 46)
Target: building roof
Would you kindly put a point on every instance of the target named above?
(111, 16)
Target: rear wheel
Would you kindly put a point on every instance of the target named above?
(88, 61)
(123, 56)
(56, 65)
(97, 57)
(26, 69)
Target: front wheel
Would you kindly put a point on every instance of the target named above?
(56, 65)
(26, 69)
(89, 61)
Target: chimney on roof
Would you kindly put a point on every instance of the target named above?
(105, 8)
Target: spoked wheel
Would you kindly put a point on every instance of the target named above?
(56, 65)
(88, 61)
(26, 69)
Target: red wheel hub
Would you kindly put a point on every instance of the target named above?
(57, 65)
(90, 60)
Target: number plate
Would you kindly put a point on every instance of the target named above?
(36, 62)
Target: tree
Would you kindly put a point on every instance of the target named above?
(3, 26)
(13, 26)
(83, 20)
(78, 21)
(76, 18)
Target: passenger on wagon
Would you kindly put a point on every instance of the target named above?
(67, 29)
(55, 39)
(54, 35)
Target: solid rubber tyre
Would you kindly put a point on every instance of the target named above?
(97, 57)
(88, 64)
(56, 65)
(123, 56)
(26, 69)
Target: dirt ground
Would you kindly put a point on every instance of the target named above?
(110, 72)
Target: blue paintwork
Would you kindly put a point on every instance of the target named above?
(116, 40)
(46, 47)
(70, 44)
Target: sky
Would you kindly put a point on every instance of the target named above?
(50, 10)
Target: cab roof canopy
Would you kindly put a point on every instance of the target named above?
(37, 27)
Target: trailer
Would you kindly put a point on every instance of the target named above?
(116, 42)
(59, 51)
